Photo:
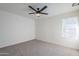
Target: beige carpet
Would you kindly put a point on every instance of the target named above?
(37, 48)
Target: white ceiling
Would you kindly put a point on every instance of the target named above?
(53, 8)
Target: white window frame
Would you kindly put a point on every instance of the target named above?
(70, 28)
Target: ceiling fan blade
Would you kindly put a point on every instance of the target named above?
(43, 8)
(44, 13)
(75, 4)
(31, 13)
(32, 8)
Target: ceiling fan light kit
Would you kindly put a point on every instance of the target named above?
(38, 15)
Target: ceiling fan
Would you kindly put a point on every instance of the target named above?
(38, 11)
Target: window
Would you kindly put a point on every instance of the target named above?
(70, 28)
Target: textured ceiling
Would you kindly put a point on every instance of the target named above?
(53, 8)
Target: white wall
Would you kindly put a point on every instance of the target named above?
(50, 30)
(15, 29)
